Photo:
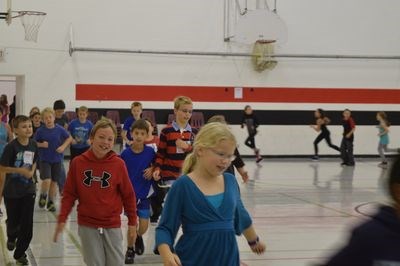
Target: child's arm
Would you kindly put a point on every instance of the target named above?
(254, 242)
(124, 137)
(43, 144)
(169, 258)
(66, 143)
(385, 129)
(353, 128)
(26, 172)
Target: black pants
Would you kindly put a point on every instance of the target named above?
(346, 151)
(20, 222)
(327, 137)
(157, 201)
(250, 141)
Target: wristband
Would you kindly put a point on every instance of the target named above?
(253, 243)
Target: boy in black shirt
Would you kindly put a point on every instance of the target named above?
(18, 162)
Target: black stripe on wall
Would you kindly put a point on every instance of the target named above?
(270, 117)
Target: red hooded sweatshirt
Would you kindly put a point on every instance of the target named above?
(102, 187)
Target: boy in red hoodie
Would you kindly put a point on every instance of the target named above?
(98, 179)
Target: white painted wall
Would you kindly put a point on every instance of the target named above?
(366, 27)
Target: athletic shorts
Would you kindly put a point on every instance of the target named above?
(50, 170)
(143, 208)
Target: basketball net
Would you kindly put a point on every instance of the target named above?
(31, 21)
(261, 55)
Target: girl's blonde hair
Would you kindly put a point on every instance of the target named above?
(209, 136)
(104, 123)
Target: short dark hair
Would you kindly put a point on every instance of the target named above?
(19, 119)
(59, 104)
(140, 124)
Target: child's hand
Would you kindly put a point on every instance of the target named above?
(148, 173)
(45, 144)
(26, 172)
(172, 260)
(60, 149)
(59, 229)
(156, 174)
(181, 144)
(258, 248)
(132, 231)
(74, 141)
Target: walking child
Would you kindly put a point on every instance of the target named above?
(136, 111)
(383, 135)
(52, 140)
(79, 129)
(250, 120)
(346, 147)
(321, 122)
(175, 143)
(18, 163)
(206, 202)
(138, 160)
(99, 180)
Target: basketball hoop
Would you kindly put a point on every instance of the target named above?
(31, 21)
(262, 59)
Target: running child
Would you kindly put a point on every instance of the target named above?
(346, 147)
(136, 111)
(250, 120)
(79, 129)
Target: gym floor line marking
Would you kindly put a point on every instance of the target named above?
(320, 205)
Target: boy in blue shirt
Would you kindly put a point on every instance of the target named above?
(138, 159)
(136, 110)
(18, 163)
(52, 140)
(80, 130)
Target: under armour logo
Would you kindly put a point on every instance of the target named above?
(89, 178)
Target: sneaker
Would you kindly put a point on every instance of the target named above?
(343, 164)
(259, 159)
(139, 245)
(130, 256)
(22, 260)
(42, 201)
(11, 244)
(50, 206)
(315, 158)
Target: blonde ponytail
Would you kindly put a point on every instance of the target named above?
(189, 163)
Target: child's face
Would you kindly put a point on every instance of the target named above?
(102, 142)
(183, 113)
(136, 112)
(346, 115)
(317, 114)
(248, 111)
(139, 135)
(151, 128)
(24, 129)
(217, 159)
(34, 110)
(59, 112)
(378, 117)
(82, 115)
(36, 119)
(48, 119)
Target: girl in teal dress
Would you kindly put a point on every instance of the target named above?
(206, 203)
(383, 135)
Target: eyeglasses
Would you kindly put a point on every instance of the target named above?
(186, 111)
(223, 156)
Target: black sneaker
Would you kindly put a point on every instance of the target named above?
(22, 260)
(139, 245)
(50, 206)
(11, 244)
(315, 158)
(130, 256)
(42, 201)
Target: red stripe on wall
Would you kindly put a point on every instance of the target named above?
(103, 92)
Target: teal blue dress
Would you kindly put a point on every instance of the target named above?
(209, 233)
